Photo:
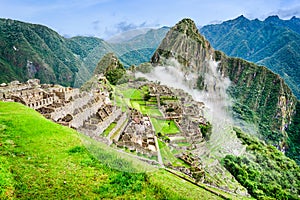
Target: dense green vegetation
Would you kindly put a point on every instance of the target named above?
(247, 39)
(293, 132)
(35, 51)
(114, 76)
(136, 57)
(112, 69)
(206, 130)
(256, 91)
(267, 172)
(43, 160)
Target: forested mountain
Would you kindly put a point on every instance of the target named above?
(273, 43)
(259, 95)
(35, 51)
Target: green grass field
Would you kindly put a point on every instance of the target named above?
(164, 126)
(134, 98)
(43, 160)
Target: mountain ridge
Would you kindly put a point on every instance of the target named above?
(258, 96)
(272, 42)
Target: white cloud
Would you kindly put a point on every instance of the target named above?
(77, 17)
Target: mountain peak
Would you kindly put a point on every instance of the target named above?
(186, 26)
(241, 17)
(181, 42)
(189, 28)
(272, 18)
(187, 22)
(108, 62)
(294, 18)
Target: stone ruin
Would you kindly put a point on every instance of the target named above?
(31, 94)
(195, 169)
(64, 105)
(185, 112)
(139, 135)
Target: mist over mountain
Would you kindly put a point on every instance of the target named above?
(272, 43)
(256, 88)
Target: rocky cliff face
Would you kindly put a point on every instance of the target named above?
(184, 43)
(259, 96)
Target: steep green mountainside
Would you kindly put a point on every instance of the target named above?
(44, 160)
(35, 51)
(140, 48)
(259, 96)
(89, 50)
(135, 51)
(272, 42)
(267, 172)
(294, 136)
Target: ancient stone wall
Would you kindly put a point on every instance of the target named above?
(100, 126)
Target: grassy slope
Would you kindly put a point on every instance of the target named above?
(40, 159)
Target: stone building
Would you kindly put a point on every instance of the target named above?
(138, 135)
(64, 105)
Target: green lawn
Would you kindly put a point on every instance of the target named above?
(168, 156)
(109, 128)
(184, 144)
(164, 126)
(131, 93)
(43, 160)
(134, 98)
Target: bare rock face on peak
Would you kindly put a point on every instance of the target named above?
(184, 43)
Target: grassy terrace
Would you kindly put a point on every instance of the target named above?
(164, 126)
(134, 98)
(43, 160)
(168, 156)
(109, 128)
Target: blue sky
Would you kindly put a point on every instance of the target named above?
(105, 18)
